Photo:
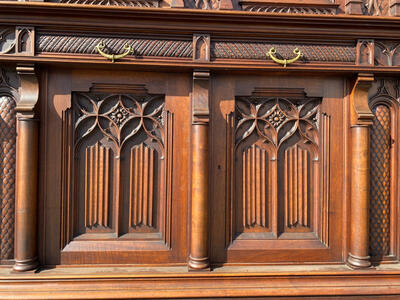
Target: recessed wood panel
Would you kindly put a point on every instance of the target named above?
(277, 165)
(279, 201)
(117, 176)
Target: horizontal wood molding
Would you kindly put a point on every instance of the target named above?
(81, 284)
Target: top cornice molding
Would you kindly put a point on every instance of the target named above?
(55, 17)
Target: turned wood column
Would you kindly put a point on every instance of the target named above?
(361, 119)
(198, 258)
(26, 172)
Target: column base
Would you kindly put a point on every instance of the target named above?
(26, 265)
(199, 264)
(358, 262)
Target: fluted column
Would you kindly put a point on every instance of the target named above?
(361, 119)
(198, 258)
(26, 172)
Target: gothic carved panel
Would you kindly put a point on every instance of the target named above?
(365, 52)
(17, 40)
(387, 53)
(119, 167)
(7, 161)
(274, 167)
(383, 199)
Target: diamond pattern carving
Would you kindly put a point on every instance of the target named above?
(380, 182)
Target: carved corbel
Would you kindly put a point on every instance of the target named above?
(365, 53)
(29, 91)
(198, 257)
(200, 99)
(361, 114)
(26, 173)
(361, 118)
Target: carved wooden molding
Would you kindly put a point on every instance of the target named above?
(313, 7)
(17, 40)
(258, 50)
(125, 3)
(58, 43)
(360, 112)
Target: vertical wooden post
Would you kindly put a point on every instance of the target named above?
(361, 119)
(26, 172)
(198, 259)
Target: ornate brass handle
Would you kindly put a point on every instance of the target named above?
(100, 47)
(284, 62)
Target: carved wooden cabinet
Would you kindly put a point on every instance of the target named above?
(199, 149)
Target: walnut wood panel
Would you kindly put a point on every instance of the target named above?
(117, 171)
(277, 166)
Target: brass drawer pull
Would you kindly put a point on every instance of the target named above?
(284, 62)
(100, 47)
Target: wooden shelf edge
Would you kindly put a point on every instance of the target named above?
(193, 285)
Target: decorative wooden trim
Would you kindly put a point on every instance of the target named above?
(124, 3)
(258, 50)
(27, 171)
(258, 282)
(309, 7)
(198, 257)
(59, 43)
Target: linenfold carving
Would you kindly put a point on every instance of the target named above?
(124, 139)
(270, 138)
